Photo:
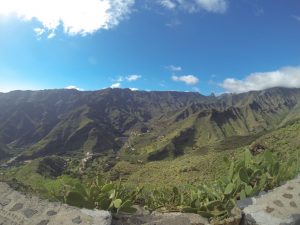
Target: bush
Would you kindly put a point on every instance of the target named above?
(98, 194)
(246, 177)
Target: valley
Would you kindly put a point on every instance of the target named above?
(141, 137)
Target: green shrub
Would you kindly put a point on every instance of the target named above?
(246, 177)
(98, 194)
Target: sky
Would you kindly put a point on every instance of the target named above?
(206, 46)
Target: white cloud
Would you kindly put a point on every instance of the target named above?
(116, 85)
(216, 6)
(174, 68)
(128, 78)
(188, 79)
(286, 77)
(192, 6)
(76, 16)
(72, 87)
(133, 77)
(51, 35)
(134, 89)
(39, 31)
(168, 4)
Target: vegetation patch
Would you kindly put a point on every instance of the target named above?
(246, 177)
(51, 166)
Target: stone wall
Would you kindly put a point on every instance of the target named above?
(280, 206)
(18, 209)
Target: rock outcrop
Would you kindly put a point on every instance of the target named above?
(143, 217)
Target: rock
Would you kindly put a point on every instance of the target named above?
(43, 222)
(257, 149)
(18, 209)
(4, 202)
(99, 216)
(244, 203)
(178, 219)
(277, 207)
(29, 212)
(51, 213)
(77, 220)
(144, 217)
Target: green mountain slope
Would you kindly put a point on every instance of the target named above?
(207, 164)
(4, 151)
(137, 125)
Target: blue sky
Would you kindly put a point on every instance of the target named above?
(183, 45)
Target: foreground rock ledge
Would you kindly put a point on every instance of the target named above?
(280, 206)
(143, 217)
(17, 209)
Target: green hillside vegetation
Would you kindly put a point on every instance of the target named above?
(285, 140)
(147, 126)
(193, 168)
(167, 143)
(244, 177)
(4, 151)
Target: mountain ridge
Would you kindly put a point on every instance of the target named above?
(156, 124)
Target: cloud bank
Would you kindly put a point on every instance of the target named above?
(133, 77)
(73, 87)
(75, 16)
(115, 85)
(187, 79)
(169, 4)
(192, 6)
(286, 77)
(82, 17)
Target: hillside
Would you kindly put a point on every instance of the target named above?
(4, 151)
(138, 125)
